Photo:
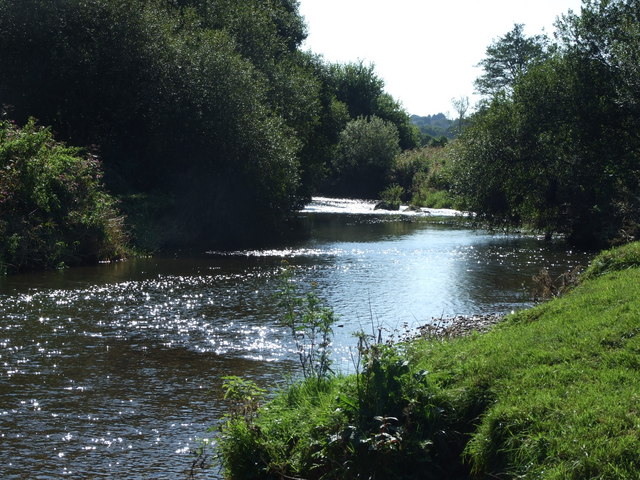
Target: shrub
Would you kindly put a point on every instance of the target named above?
(55, 211)
(392, 197)
(426, 175)
(409, 164)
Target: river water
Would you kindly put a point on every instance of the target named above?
(114, 371)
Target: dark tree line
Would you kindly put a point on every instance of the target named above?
(556, 143)
(212, 124)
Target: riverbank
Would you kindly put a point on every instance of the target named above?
(550, 392)
(458, 326)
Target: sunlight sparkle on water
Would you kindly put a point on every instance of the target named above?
(128, 356)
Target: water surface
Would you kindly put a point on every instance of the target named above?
(114, 371)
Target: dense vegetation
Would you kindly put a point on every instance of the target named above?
(550, 393)
(54, 208)
(212, 125)
(425, 177)
(556, 142)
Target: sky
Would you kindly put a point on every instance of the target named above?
(426, 51)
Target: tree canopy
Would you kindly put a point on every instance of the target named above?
(366, 151)
(561, 150)
(509, 57)
(207, 109)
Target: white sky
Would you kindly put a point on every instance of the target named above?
(424, 50)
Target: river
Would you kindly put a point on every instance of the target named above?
(114, 370)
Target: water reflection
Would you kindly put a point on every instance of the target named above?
(114, 370)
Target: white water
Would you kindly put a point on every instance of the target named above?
(364, 207)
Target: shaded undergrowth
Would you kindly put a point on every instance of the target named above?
(551, 392)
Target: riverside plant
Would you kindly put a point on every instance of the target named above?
(363, 432)
(54, 209)
(311, 326)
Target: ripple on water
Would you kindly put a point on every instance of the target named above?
(112, 375)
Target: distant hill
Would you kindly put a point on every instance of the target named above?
(434, 125)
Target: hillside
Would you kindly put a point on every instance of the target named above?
(433, 125)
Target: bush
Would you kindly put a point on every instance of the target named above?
(55, 211)
(392, 197)
(431, 198)
(426, 174)
(409, 164)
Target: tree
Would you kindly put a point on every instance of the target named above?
(205, 108)
(366, 152)
(387, 108)
(560, 150)
(461, 106)
(209, 113)
(507, 58)
(357, 86)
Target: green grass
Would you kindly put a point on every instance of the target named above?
(551, 393)
(619, 258)
(564, 381)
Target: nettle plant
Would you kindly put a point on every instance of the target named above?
(244, 397)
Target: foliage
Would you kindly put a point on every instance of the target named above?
(244, 397)
(55, 211)
(559, 150)
(366, 150)
(358, 86)
(392, 196)
(208, 104)
(408, 164)
(311, 326)
(433, 198)
(550, 393)
(391, 111)
(508, 58)
(425, 173)
(355, 167)
(176, 102)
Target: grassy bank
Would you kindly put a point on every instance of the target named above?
(552, 392)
